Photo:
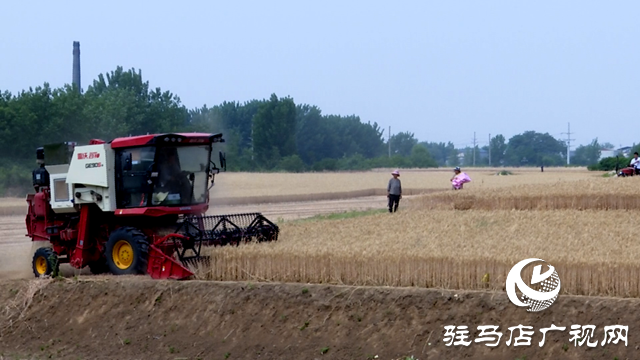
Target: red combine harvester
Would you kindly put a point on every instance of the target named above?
(135, 205)
(628, 171)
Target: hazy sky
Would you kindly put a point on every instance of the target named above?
(439, 69)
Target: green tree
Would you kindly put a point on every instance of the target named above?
(237, 117)
(205, 119)
(402, 143)
(587, 154)
(28, 120)
(69, 119)
(291, 163)
(534, 149)
(497, 147)
(274, 130)
(354, 162)
(421, 158)
(260, 134)
(121, 104)
(315, 140)
(453, 159)
(354, 137)
(441, 152)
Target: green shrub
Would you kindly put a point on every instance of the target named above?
(291, 163)
(325, 164)
(609, 163)
(354, 162)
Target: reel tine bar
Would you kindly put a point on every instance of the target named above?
(221, 230)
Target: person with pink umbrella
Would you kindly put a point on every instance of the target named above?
(459, 179)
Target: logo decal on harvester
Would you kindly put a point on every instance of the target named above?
(91, 155)
(547, 286)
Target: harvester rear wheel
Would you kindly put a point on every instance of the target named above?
(127, 251)
(45, 261)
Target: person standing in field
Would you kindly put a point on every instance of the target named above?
(635, 163)
(394, 191)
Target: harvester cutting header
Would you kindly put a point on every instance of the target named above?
(135, 205)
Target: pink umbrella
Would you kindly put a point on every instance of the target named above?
(460, 179)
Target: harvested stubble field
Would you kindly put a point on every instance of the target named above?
(584, 227)
(283, 185)
(595, 193)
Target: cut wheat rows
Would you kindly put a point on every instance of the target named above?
(595, 252)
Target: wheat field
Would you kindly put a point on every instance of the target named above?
(580, 222)
(595, 193)
(595, 251)
(229, 185)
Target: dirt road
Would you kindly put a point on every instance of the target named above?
(304, 209)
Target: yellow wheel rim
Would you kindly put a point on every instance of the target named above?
(41, 265)
(122, 254)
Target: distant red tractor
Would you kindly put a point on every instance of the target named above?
(135, 205)
(628, 171)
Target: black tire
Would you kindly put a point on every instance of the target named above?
(131, 252)
(45, 262)
(99, 267)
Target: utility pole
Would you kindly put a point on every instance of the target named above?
(489, 149)
(474, 148)
(569, 140)
(389, 141)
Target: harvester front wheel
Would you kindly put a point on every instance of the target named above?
(45, 262)
(99, 267)
(127, 251)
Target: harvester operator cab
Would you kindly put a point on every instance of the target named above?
(163, 175)
(172, 183)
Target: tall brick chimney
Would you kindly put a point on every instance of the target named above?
(76, 65)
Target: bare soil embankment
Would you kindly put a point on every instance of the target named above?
(138, 318)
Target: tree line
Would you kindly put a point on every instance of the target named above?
(262, 135)
(527, 149)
